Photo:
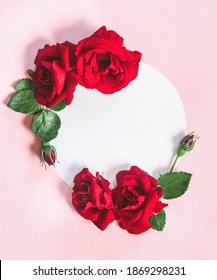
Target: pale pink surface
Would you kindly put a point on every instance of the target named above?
(179, 38)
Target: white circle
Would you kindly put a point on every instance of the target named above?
(139, 125)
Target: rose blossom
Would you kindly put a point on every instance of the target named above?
(92, 198)
(55, 76)
(136, 199)
(103, 63)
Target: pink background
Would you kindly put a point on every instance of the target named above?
(178, 38)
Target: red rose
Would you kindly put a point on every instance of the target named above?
(92, 198)
(103, 63)
(136, 199)
(55, 77)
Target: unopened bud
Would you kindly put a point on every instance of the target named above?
(48, 154)
(187, 143)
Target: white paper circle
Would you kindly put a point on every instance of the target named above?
(139, 125)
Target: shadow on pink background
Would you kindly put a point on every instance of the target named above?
(178, 38)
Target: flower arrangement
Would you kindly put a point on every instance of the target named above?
(135, 201)
(100, 62)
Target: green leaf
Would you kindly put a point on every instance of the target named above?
(25, 84)
(46, 124)
(158, 222)
(59, 106)
(174, 184)
(24, 101)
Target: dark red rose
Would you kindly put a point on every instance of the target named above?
(136, 199)
(92, 198)
(55, 76)
(48, 154)
(103, 63)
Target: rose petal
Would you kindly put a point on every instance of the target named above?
(108, 34)
(48, 53)
(159, 206)
(104, 219)
(59, 77)
(55, 100)
(64, 56)
(149, 207)
(138, 228)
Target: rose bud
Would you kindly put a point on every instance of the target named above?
(48, 154)
(187, 143)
